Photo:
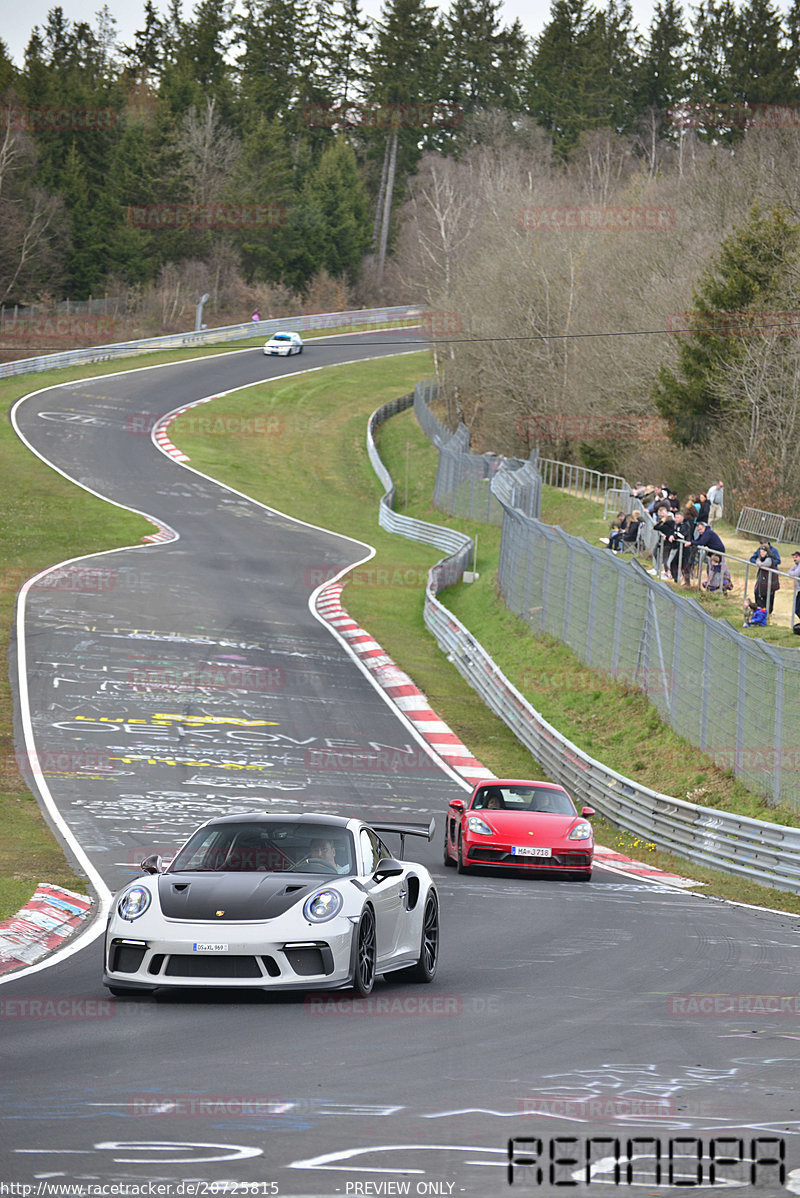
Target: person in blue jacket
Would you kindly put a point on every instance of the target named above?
(705, 537)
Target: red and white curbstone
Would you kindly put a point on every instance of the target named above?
(400, 689)
(41, 926)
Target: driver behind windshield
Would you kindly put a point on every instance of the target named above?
(325, 850)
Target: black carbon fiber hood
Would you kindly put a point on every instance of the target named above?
(230, 896)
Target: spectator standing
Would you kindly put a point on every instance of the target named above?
(704, 508)
(767, 583)
(678, 546)
(715, 499)
(771, 550)
(665, 525)
(794, 572)
(706, 538)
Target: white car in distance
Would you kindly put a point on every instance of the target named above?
(283, 344)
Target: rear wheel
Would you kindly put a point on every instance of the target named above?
(364, 973)
(425, 967)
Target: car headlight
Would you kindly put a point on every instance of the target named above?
(580, 832)
(476, 824)
(322, 906)
(134, 902)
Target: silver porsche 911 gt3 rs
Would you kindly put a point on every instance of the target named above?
(276, 902)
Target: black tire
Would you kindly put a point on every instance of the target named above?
(300, 350)
(448, 860)
(365, 955)
(460, 866)
(425, 968)
(586, 877)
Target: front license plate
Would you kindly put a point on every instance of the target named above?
(526, 850)
(210, 948)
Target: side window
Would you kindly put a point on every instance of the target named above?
(368, 850)
(372, 849)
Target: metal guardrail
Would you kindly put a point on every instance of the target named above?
(766, 852)
(234, 332)
(456, 544)
(768, 524)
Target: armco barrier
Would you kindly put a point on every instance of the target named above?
(765, 852)
(234, 332)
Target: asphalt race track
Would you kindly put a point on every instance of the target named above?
(559, 1010)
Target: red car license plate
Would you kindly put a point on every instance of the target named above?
(526, 850)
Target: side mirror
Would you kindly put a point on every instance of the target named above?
(587, 811)
(153, 864)
(458, 805)
(388, 867)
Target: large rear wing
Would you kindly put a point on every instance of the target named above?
(403, 830)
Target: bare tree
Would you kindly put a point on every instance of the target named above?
(208, 152)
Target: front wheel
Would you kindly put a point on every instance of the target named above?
(364, 973)
(425, 968)
(448, 860)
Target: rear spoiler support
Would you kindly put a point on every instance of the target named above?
(403, 830)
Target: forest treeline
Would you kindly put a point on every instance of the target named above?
(583, 209)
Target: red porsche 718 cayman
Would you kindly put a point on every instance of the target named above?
(513, 824)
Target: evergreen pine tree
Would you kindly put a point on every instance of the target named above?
(748, 269)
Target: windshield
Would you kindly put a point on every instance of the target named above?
(282, 337)
(524, 798)
(279, 847)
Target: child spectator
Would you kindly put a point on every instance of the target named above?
(719, 576)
